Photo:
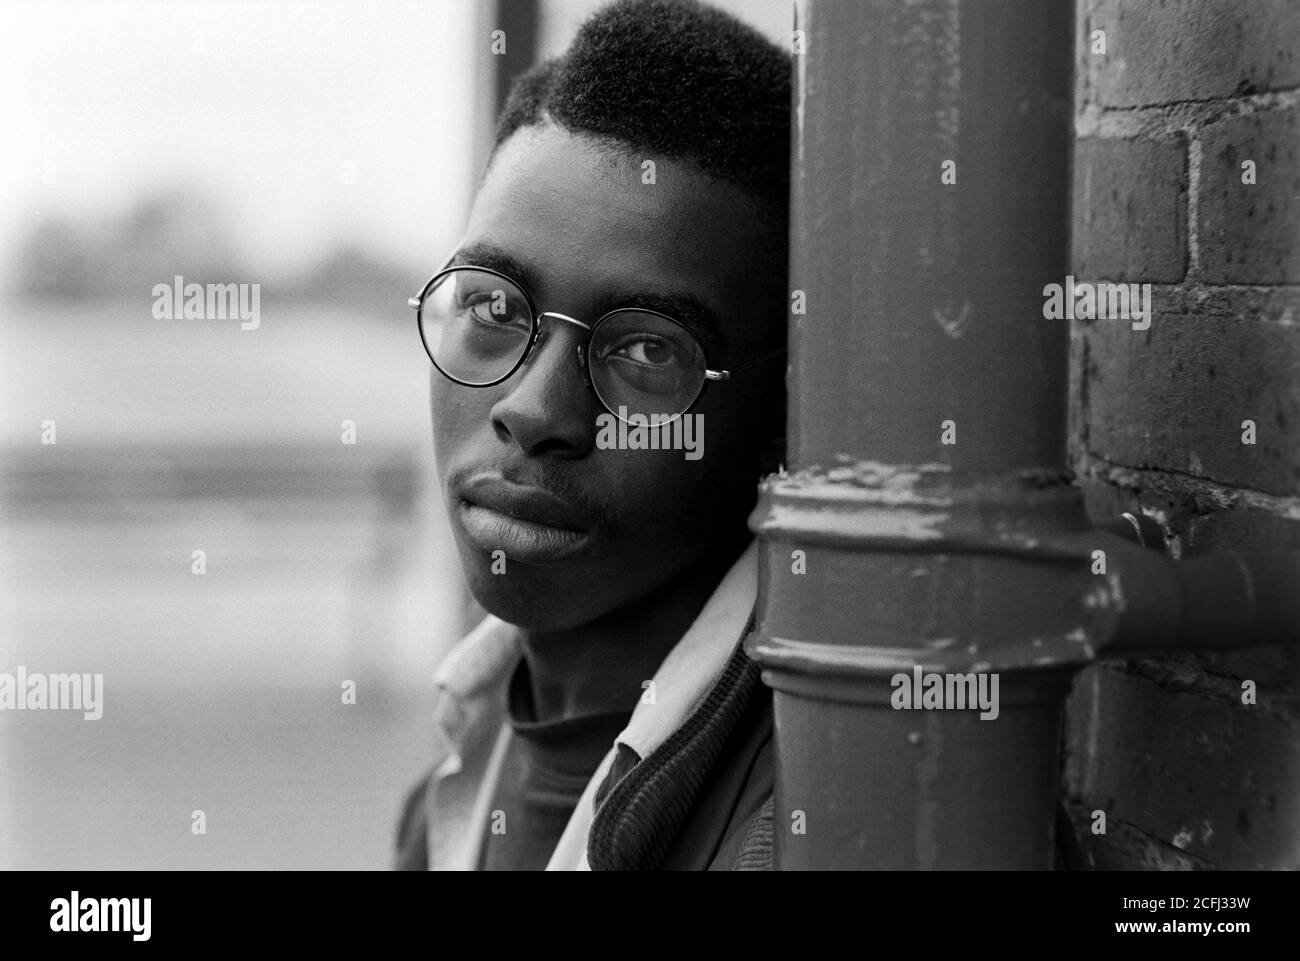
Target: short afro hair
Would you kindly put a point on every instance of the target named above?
(672, 77)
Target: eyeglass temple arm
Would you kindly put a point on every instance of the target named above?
(726, 374)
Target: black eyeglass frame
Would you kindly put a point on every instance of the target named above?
(583, 349)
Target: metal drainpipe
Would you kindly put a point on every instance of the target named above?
(885, 548)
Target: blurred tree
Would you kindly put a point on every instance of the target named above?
(181, 230)
(170, 232)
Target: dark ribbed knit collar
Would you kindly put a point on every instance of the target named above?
(641, 813)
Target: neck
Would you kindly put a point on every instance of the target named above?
(599, 667)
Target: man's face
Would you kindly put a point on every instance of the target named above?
(584, 530)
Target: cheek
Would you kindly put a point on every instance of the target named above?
(665, 506)
(456, 413)
(665, 496)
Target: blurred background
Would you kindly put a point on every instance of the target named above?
(327, 152)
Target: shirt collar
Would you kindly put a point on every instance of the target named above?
(691, 667)
(484, 657)
(478, 663)
(478, 659)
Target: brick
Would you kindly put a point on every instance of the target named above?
(1130, 210)
(1275, 670)
(1125, 848)
(1175, 50)
(1173, 397)
(1081, 65)
(1248, 232)
(1213, 779)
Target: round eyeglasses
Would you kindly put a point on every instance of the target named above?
(479, 326)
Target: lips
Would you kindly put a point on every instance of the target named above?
(523, 502)
(528, 523)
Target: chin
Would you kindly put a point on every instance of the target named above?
(527, 597)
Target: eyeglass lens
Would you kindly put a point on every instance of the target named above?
(477, 326)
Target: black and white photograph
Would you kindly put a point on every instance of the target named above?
(649, 435)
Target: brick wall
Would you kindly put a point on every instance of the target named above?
(1185, 93)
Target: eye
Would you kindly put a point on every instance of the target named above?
(647, 350)
(495, 308)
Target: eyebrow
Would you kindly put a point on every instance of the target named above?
(679, 305)
(494, 258)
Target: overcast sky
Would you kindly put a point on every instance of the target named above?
(272, 106)
(310, 123)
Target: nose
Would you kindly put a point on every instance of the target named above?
(547, 409)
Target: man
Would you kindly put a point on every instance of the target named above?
(625, 258)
